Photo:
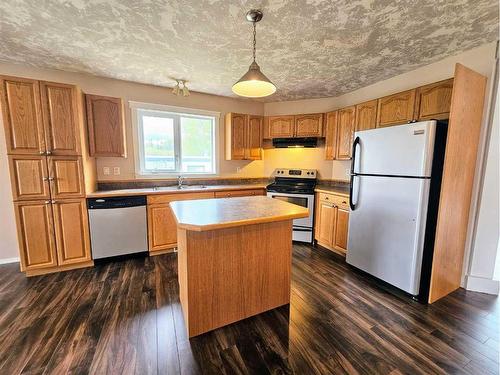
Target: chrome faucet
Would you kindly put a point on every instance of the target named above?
(180, 180)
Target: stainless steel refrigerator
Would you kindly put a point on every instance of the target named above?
(394, 196)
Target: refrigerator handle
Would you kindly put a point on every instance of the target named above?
(351, 183)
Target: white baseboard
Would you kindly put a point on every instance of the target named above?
(9, 260)
(479, 284)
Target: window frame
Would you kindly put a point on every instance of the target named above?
(175, 113)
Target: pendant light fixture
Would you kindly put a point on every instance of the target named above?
(254, 84)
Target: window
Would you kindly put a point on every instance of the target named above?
(171, 142)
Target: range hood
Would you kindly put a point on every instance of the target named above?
(295, 142)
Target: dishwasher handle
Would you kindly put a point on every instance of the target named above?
(116, 202)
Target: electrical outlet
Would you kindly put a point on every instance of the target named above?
(106, 171)
(238, 169)
(116, 171)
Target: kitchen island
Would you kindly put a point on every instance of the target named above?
(234, 258)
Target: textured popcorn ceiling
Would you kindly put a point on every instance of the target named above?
(308, 48)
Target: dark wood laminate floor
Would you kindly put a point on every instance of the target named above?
(125, 318)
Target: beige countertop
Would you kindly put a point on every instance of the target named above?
(172, 190)
(339, 190)
(209, 214)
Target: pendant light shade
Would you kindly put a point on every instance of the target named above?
(254, 83)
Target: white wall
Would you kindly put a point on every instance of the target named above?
(485, 241)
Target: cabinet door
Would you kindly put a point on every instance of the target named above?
(36, 234)
(22, 116)
(434, 101)
(325, 223)
(366, 115)
(345, 130)
(309, 125)
(71, 231)
(396, 109)
(162, 227)
(29, 177)
(236, 137)
(61, 120)
(281, 126)
(254, 138)
(341, 228)
(66, 177)
(105, 126)
(331, 135)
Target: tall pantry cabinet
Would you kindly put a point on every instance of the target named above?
(50, 172)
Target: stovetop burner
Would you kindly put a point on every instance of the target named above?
(293, 181)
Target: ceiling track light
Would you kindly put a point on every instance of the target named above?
(254, 84)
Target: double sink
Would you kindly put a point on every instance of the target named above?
(181, 187)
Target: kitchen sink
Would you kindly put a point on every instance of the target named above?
(183, 187)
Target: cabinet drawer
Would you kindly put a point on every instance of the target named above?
(238, 193)
(166, 198)
(336, 200)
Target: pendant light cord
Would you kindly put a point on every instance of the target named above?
(254, 40)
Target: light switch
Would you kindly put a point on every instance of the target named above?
(116, 170)
(106, 171)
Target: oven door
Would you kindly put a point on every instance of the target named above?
(304, 200)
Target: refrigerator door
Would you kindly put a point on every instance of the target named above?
(404, 150)
(386, 230)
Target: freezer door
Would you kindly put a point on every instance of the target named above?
(386, 230)
(404, 150)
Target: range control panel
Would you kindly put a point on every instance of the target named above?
(295, 173)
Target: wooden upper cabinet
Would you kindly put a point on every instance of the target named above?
(61, 119)
(331, 135)
(36, 234)
(29, 177)
(345, 130)
(22, 117)
(253, 150)
(281, 126)
(66, 177)
(243, 137)
(433, 101)
(236, 136)
(309, 125)
(366, 115)
(71, 231)
(396, 109)
(341, 228)
(106, 126)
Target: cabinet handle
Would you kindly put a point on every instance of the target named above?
(51, 178)
(53, 201)
(46, 202)
(45, 179)
(41, 152)
(48, 152)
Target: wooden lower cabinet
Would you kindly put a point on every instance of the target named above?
(332, 222)
(53, 235)
(35, 228)
(162, 228)
(71, 231)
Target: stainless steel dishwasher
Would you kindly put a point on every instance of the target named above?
(118, 226)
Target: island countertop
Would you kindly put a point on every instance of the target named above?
(210, 214)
